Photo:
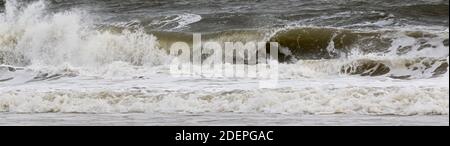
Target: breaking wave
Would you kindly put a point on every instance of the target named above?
(40, 48)
(31, 36)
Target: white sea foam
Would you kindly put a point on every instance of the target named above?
(176, 22)
(71, 67)
(314, 100)
(35, 37)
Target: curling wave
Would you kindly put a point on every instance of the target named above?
(59, 62)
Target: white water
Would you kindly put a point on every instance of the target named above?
(65, 38)
(105, 72)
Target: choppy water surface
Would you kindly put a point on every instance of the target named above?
(105, 62)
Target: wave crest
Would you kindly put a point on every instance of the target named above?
(30, 35)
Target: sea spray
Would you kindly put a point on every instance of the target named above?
(63, 61)
(32, 36)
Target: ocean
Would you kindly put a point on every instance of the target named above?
(108, 62)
